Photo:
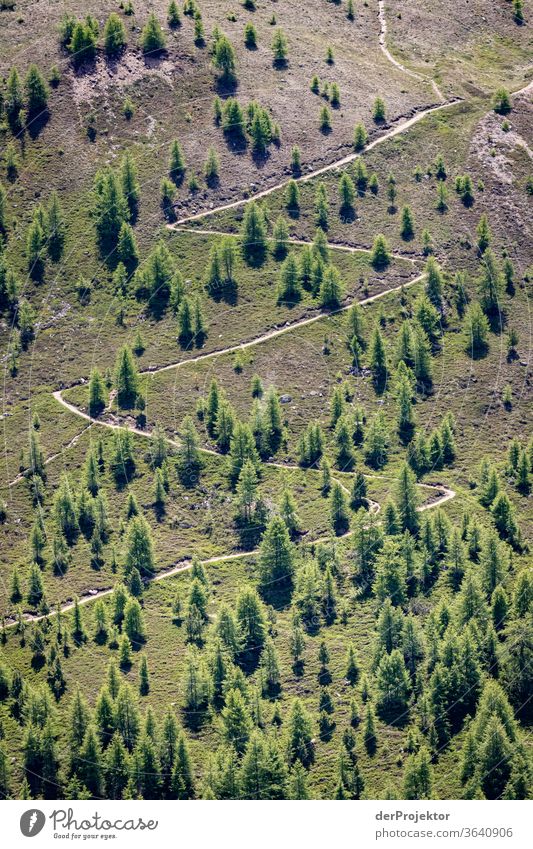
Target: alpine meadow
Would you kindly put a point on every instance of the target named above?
(266, 483)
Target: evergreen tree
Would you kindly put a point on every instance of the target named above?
(434, 282)
(36, 92)
(376, 442)
(393, 684)
(224, 59)
(127, 718)
(344, 444)
(116, 768)
(276, 555)
(14, 98)
(299, 735)
(97, 393)
(407, 228)
(378, 359)
(406, 497)
(494, 759)
(134, 625)
(353, 668)
(127, 252)
(253, 233)
(242, 448)
(279, 47)
(359, 492)
(490, 283)
(139, 547)
(251, 620)
(189, 462)
(130, 185)
(114, 35)
(331, 289)
(65, 511)
(183, 785)
(378, 111)
(483, 234)
(110, 208)
(56, 227)
(369, 734)
(476, 331)
(289, 289)
(340, 518)
(233, 121)
(418, 776)
(177, 166)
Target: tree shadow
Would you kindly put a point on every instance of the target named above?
(394, 715)
(347, 213)
(278, 595)
(260, 157)
(37, 123)
(226, 86)
(153, 58)
(255, 256)
(228, 293)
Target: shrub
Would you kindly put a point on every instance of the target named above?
(502, 101)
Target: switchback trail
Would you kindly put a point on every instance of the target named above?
(333, 166)
(333, 246)
(444, 493)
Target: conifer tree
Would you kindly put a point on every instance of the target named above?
(242, 448)
(65, 511)
(152, 37)
(114, 35)
(36, 92)
(289, 289)
(177, 163)
(183, 785)
(56, 227)
(490, 283)
(253, 233)
(476, 330)
(418, 776)
(406, 498)
(279, 47)
(340, 518)
(276, 555)
(299, 735)
(378, 359)
(251, 621)
(14, 98)
(139, 547)
(97, 393)
(369, 734)
(110, 208)
(331, 288)
(407, 227)
(224, 59)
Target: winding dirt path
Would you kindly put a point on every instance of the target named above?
(333, 166)
(333, 246)
(185, 565)
(385, 50)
